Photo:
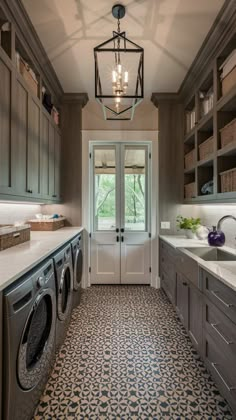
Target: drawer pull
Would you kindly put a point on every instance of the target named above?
(16, 235)
(228, 305)
(214, 326)
(229, 388)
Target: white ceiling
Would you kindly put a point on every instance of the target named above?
(171, 32)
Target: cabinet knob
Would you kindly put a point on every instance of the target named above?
(184, 283)
(54, 195)
(30, 191)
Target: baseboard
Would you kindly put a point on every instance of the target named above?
(156, 283)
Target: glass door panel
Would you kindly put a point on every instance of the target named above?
(135, 188)
(104, 189)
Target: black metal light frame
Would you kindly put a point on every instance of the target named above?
(137, 98)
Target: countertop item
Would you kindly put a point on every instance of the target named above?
(16, 261)
(225, 271)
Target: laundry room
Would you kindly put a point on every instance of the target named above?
(117, 210)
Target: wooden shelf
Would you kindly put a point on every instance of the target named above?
(206, 122)
(206, 162)
(229, 150)
(190, 171)
(190, 135)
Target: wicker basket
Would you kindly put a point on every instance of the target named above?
(31, 82)
(229, 81)
(47, 225)
(206, 148)
(228, 180)
(189, 190)
(228, 133)
(12, 235)
(189, 159)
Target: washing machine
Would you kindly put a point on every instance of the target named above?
(77, 258)
(29, 341)
(64, 287)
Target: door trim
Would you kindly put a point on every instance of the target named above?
(132, 137)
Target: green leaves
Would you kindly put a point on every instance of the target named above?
(188, 223)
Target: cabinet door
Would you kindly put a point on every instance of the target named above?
(45, 157)
(33, 161)
(57, 148)
(51, 162)
(19, 148)
(5, 129)
(182, 299)
(195, 317)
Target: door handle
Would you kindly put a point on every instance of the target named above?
(117, 239)
(122, 238)
(122, 230)
(117, 230)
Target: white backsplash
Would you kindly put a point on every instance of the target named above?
(210, 214)
(11, 212)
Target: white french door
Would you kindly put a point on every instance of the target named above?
(120, 213)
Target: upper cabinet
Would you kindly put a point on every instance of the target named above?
(30, 138)
(209, 143)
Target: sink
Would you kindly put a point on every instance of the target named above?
(212, 254)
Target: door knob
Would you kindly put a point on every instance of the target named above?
(117, 230)
(122, 230)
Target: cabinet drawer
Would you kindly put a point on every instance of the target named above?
(188, 267)
(221, 295)
(221, 329)
(222, 369)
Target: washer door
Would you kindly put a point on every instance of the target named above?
(37, 342)
(64, 292)
(78, 268)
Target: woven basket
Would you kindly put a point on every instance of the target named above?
(189, 159)
(228, 134)
(15, 237)
(47, 225)
(33, 85)
(228, 180)
(189, 190)
(229, 81)
(206, 148)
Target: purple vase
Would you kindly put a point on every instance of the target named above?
(216, 237)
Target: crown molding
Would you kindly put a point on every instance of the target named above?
(75, 98)
(158, 97)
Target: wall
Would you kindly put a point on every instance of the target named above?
(145, 118)
(209, 214)
(11, 212)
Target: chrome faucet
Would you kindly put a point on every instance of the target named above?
(218, 227)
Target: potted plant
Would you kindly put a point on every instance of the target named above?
(190, 225)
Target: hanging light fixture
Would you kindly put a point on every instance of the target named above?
(119, 73)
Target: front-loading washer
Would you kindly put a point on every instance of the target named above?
(29, 341)
(64, 286)
(77, 258)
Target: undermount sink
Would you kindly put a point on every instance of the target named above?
(212, 254)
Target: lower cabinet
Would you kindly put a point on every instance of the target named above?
(207, 310)
(182, 299)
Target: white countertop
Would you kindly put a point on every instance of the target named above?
(18, 260)
(223, 270)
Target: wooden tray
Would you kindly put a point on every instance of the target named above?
(47, 225)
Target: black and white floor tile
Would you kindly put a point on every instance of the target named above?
(126, 356)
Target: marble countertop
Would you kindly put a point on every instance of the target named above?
(18, 260)
(225, 271)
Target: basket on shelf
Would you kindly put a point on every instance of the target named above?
(47, 225)
(13, 235)
(229, 81)
(228, 133)
(189, 159)
(206, 148)
(189, 190)
(27, 75)
(228, 180)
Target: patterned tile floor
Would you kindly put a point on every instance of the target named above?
(126, 356)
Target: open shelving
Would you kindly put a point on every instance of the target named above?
(215, 152)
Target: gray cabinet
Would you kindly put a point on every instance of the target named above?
(5, 128)
(168, 271)
(182, 301)
(195, 305)
(33, 155)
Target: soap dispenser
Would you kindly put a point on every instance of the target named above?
(216, 237)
